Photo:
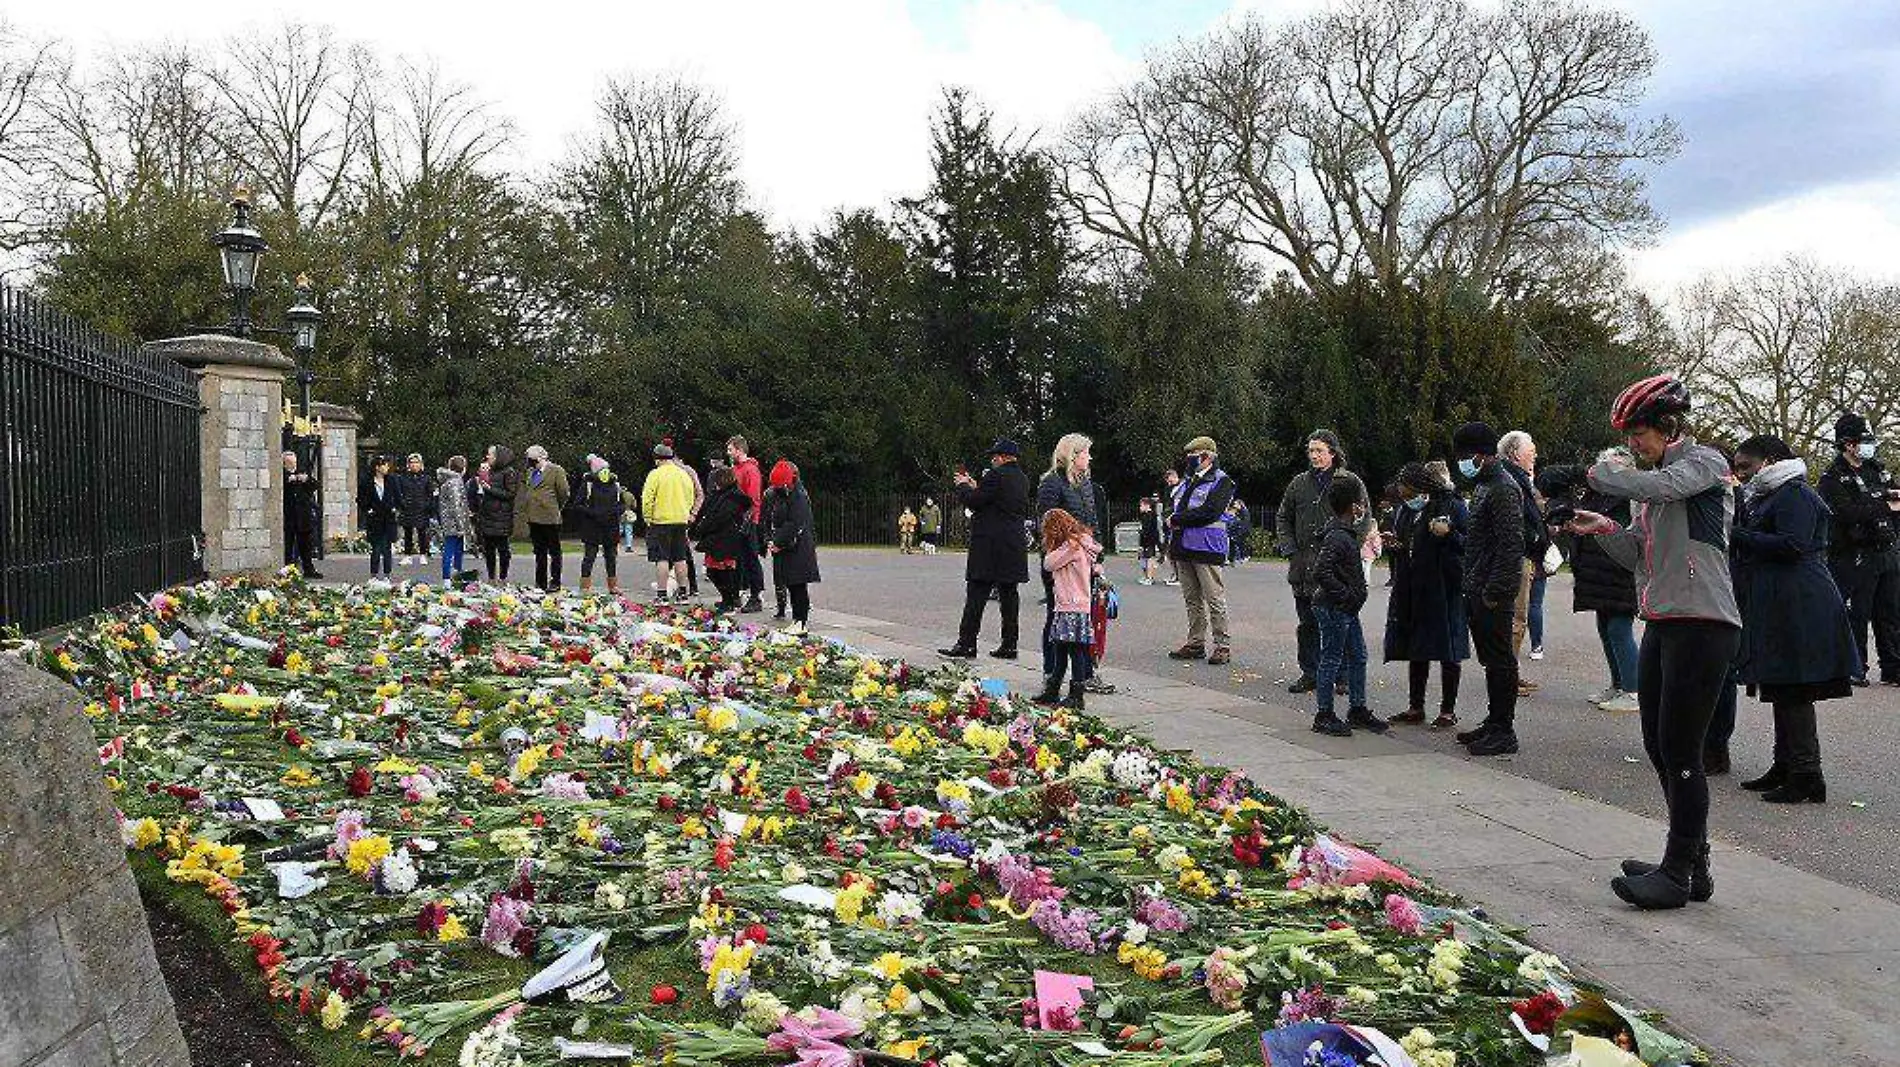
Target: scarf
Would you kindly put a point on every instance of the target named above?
(1772, 477)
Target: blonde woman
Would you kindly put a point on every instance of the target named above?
(1066, 485)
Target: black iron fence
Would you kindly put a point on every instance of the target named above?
(99, 492)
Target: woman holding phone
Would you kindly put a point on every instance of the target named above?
(1677, 545)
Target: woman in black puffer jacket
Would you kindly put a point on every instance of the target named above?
(1601, 584)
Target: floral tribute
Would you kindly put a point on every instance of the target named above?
(491, 828)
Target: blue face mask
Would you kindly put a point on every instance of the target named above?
(1468, 468)
(1417, 502)
(1866, 450)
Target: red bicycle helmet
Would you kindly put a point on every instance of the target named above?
(1648, 400)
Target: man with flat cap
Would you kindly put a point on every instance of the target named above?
(1197, 542)
(999, 548)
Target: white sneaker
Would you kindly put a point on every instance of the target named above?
(1537, 652)
(1602, 695)
(1624, 703)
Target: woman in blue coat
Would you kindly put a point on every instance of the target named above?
(1425, 618)
(1797, 644)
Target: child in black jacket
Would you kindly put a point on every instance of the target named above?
(1341, 580)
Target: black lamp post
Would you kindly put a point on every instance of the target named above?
(303, 317)
(240, 247)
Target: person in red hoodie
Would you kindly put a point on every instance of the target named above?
(752, 484)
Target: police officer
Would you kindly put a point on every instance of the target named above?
(1861, 553)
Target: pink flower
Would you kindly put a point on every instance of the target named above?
(507, 920)
(563, 786)
(916, 818)
(349, 827)
(1402, 915)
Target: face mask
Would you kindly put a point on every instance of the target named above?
(1866, 450)
(1468, 468)
(1417, 502)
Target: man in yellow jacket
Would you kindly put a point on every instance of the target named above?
(666, 499)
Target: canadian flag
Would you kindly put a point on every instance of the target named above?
(112, 749)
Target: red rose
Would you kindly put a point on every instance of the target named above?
(664, 995)
(360, 782)
(975, 901)
(795, 800)
(293, 738)
(756, 933)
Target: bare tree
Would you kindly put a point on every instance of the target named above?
(29, 72)
(1777, 349)
(1148, 170)
(146, 123)
(1411, 140)
(300, 107)
(649, 189)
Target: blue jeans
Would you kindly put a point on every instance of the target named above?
(1342, 646)
(451, 555)
(1535, 620)
(1618, 634)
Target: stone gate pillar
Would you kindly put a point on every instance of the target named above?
(79, 985)
(241, 383)
(340, 429)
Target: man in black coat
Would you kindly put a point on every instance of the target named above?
(1494, 571)
(1861, 550)
(300, 517)
(415, 495)
(999, 505)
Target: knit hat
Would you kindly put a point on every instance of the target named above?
(596, 464)
(784, 473)
(1851, 427)
(662, 451)
(1202, 443)
(1474, 439)
(1005, 447)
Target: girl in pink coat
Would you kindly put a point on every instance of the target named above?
(1069, 555)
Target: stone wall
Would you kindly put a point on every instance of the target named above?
(242, 385)
(340, 426)
(79, 985)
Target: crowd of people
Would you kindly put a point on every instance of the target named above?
(1745, 577)
(746, 517)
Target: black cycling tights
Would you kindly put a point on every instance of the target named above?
(1682, 668)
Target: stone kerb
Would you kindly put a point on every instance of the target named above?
(241, 384)
(80, 984)
(341, 427)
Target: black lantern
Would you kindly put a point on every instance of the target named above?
(303, 317)
(240, 246)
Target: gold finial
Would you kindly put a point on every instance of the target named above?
(241, 194)
(303, 279)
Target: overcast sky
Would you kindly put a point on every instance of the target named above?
(1790, 111)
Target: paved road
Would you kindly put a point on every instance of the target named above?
(1567, 743)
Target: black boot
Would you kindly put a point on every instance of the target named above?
(1776, 775)
(1801, 787)
(779, 593)
(1364, 719)
(1051, 694)
(1668, 885)
(1701, 882)
(1075, 696)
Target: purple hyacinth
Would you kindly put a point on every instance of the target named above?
(951, 843)
(1070, 929)
(1160, 915)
